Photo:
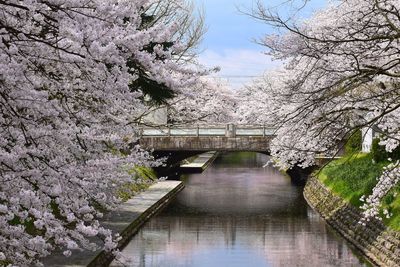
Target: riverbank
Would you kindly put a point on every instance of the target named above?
(376, 241)
(354, 176)
(126, 220)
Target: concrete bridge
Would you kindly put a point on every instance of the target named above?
(208, 138)
(179, 143)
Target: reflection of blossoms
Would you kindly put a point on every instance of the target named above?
(340, 75)
(389, 178)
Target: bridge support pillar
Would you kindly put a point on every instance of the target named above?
(230, 130)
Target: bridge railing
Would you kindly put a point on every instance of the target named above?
(229, 130)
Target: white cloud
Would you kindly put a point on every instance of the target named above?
(238, 66)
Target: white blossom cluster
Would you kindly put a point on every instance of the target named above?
(67, 111)
(255, 99)
(372, 204)
(209, 101)
(341, 74)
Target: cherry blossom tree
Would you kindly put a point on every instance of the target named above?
(187, 28)
(73, 75)
(256, 102)
(341, 74)
(191, 25)
(209, 101)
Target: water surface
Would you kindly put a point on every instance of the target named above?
(238, 213)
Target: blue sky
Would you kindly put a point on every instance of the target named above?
(229, 41)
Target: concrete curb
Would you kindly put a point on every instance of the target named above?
(200, 164)
(126, 220)
(104, 258)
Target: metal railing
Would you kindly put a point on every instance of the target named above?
(229, 130)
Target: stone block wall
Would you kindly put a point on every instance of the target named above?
(378, 243)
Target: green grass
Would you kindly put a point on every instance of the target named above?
(392, 203)
(142, 178)
(354, 176)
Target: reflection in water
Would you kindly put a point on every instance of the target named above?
(238, 214)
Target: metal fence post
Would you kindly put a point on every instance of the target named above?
(197, 131)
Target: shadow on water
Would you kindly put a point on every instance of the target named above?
(238, 214)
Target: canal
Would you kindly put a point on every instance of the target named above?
(238, 213)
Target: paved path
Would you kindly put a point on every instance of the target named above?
(126, 220)
(200, 163)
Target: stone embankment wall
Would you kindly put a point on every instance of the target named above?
(380, 244)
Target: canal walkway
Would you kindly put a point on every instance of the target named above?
(200, 163)
(126, 220)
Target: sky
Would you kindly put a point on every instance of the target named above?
(229, 41)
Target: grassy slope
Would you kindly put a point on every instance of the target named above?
(353, 176)
(142, 178)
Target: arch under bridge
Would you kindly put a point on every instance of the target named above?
(178, 143)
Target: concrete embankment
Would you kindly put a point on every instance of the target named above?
(380, 244)
(126, 221)
(200, 163)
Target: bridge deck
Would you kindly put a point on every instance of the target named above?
(214, 130)
(208, 138)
